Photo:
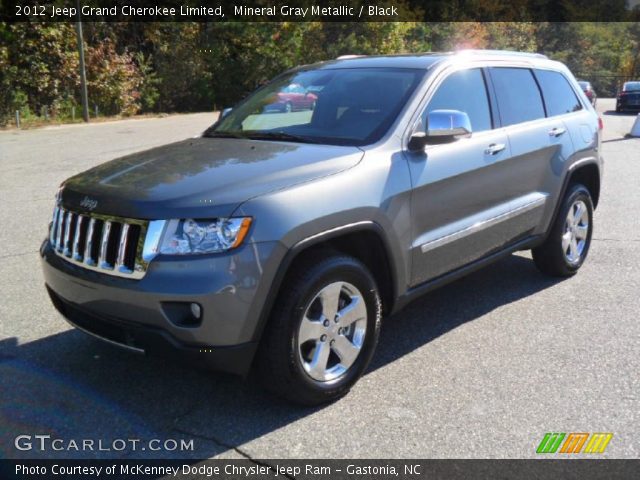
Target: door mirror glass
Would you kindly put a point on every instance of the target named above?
(447, 125)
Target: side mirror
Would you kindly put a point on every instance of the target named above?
(443, 126)
(417, 142)
(225, 112)
(447, 125)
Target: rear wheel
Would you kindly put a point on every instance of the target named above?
(567, 245)
(323, 331)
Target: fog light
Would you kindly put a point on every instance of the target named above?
(183, 314)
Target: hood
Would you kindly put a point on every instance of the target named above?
(201, 177)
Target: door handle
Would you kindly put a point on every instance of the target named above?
(494, 148)
(556, 132)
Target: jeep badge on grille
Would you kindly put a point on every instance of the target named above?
(89, 203)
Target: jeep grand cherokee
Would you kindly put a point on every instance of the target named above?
(279, 239)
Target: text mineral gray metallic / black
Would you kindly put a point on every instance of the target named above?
(325, 200)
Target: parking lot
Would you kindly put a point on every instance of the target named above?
(481, 368)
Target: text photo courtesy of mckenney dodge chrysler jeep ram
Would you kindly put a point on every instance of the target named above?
(280, 238)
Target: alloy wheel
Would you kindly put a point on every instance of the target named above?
(332, 331)
(576, 231)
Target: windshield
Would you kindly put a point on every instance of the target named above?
(631, 87)
(338, 107)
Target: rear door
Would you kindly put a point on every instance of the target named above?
(565, 109)
(539, 145)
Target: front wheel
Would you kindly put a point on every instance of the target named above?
(567, 245)
(323, 330)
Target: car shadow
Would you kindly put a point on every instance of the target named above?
(621, 114)
(621, 139)
(71, 386)
(457, 303)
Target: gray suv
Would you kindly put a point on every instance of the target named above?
(279, 239)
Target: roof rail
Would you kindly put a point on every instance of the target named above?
(502, 52)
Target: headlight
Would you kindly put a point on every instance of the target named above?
(189, 236)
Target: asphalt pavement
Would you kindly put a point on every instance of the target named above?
(481, 368)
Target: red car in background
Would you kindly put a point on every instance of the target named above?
(588, 91)
(293, 97)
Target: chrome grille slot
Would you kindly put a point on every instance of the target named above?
(59, 231)
(101, 243)
(104, 245)
(134, 238)
(89, 243)
(68, 234)
(96, 239)
(77, 237)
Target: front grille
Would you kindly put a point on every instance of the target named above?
(110, 245)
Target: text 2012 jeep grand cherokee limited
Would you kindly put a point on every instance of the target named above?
(280, 237)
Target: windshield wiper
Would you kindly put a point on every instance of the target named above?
(289, 137)
(215, 134)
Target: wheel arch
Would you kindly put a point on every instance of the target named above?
(583, 172)
(588, 175)
(364, 241)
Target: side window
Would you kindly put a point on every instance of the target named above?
(518, 95)
(464, 91)
(558, 95)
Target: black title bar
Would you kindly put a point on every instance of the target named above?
(577, 469)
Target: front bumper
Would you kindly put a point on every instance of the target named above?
(230, 288)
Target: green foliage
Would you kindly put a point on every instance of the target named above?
(162, 67)
(44, 59)
(149, 93)
(113, 80)
(606, 54)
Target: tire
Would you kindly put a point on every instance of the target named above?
(285, 361)
(559, 256)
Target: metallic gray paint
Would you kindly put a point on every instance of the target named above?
(225, 285)
(299, 195)
(202, 177)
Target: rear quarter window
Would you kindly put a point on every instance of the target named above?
(559, 97)
(518, 95)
